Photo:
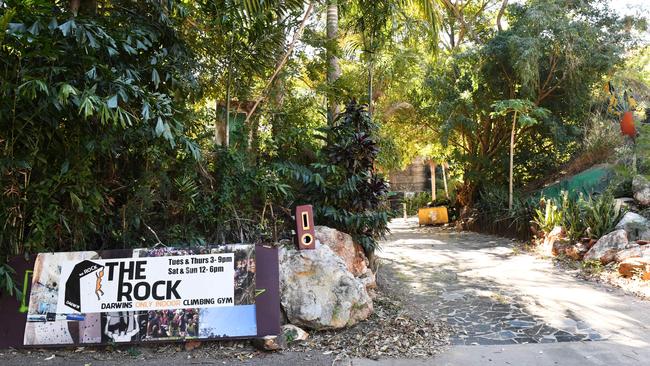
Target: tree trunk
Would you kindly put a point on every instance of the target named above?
(370, 51)
(219, 126)
(228, 97)
(432, 167)
(444, 179)
(253, 137)
(512, 155)
(87, 7)
(370, 76)
(279, 85)
(333, 68)
(500, 14)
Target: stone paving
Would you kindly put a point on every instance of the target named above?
(486, 321)
(439, 267)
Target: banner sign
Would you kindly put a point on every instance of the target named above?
(160, 294)
(147, 284)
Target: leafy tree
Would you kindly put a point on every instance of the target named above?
(524, 115)
(239, 43)
(552, 54)
(408, 119)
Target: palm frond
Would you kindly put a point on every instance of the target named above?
(431, 11)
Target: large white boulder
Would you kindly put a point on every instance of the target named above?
(343, 245)
(351, 253)
(318, 291)
(636, 226)
(608, 246)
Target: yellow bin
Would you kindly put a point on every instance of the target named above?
(433, 215)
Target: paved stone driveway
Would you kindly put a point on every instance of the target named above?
(493, 295)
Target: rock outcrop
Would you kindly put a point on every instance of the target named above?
(294, 334)
(634, 251)
(351, 253)
(577, 251)
(270, 343)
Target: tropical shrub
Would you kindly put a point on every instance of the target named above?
(494, 216)
(601, 138)
(600, 214)
(8, 283)
(237, 202)
(547, 216)
(590, 217)
(343, 186)
(572, 221)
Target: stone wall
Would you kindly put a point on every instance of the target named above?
(415, 178)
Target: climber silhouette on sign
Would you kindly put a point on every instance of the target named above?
(98, 285)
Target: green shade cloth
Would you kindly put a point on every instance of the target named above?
(592, 180)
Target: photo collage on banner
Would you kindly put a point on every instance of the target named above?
(157, 294)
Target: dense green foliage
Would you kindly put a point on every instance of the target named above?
(579, 217)
(549, 57)
(493, 215)
(113, 114)
(547, 216)
(107, 140)
(417, 201)
(94, 126)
